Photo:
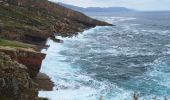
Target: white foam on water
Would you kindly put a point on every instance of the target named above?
(64, 76)
(70, 83)
(114, 19)
(159, 75)
(84, 93)
(160, 32)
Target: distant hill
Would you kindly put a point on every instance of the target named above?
(97, 9)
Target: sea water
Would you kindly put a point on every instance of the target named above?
(112, 62)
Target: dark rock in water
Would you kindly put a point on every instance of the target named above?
(44, 82)
(15, 82)
(46, 46)
(31, 59)
(57, 40)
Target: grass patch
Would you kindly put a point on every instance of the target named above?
(4, 42)
(4, 98)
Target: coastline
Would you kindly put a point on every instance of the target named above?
(24, 28)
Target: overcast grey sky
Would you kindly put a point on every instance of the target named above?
(135, 4)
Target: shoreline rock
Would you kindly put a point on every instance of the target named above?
(15, 82)
(33, 21)
(31, 59)
(44, 82)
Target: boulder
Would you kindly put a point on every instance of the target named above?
(44, 82)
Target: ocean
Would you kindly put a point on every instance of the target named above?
(112, 62)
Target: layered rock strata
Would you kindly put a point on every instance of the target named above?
(31, 59)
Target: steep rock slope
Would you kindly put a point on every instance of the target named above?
(31, 59)
(33, 21)
(15, 82)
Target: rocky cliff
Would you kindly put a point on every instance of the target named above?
(15, 82)
(33, 21)
(24, 26)
(31, 59)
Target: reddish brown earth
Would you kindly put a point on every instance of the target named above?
(15, 82)
(31, 59)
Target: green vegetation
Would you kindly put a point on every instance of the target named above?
(19, 17)
(9, 43)
(23, 21)
(4, 98)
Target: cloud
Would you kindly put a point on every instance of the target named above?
(134, 4)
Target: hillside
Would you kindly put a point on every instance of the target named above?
(33, 21)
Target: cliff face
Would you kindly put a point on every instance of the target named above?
(15, 82)
(31, 59)
(34, 20)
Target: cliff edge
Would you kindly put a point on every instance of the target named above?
(25, 26)
(15, 82)
(33, 21)
(30, 58)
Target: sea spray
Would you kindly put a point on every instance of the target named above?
(113, 62)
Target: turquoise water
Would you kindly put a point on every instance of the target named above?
(112, 62)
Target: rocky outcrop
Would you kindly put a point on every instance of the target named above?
(33, 21)
(31, 59)
(43, 81)
(15, 82)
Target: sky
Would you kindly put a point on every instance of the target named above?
(133, 4)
